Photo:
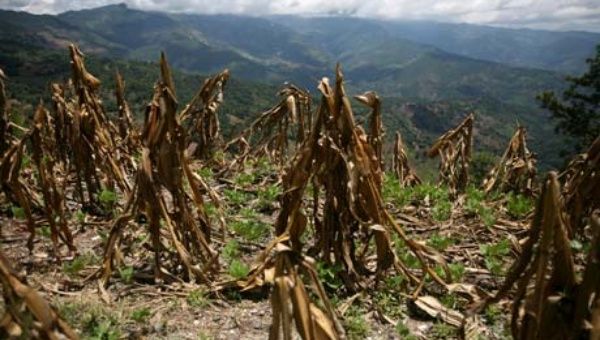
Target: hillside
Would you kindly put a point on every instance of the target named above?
(550, 50)
(299, 50)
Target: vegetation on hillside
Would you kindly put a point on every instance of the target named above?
(296, 227)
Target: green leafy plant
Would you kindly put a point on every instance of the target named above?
(441, 330)
(329, 275)
(80, 216)
(108, 199)
(518, 205)
(494, 254)
(474, 205)
(440, 242)
(393, 192)
(18, 212)
(355, 324)
(45, 231)
(457, 271)
(245, 179)
(140, 315)
(249, 228)
(236, 197)
(79, 263)
(126, 274)
(403, 331)
(206, 173)
(197, 298)
(268, 195)
(231, 250)
(238, 269)
(442, 210)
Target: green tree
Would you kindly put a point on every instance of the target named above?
(577, 112)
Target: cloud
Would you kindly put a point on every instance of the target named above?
(549, 14)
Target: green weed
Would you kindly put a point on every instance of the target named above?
(140, 315)
(238, 269)
(126, 274)
(197, 298)
(518, 205)
(355, 324)
(494, 255)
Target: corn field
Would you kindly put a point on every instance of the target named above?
(297, 227)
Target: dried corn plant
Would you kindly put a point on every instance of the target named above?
(268, 135)
(338, 160)
(290, 298)
(551, 301)
(128, 131)
(516, 169)
(159, 194)
(85, 136)
(27, 315)
(454, 150)
(376, 132)
(15, 188)
(4, 140)
(202, 110)
(52, 186)
(582, 186)
(400, 166)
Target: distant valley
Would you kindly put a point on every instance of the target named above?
(429, 74)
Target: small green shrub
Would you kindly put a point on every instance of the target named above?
(393, 192)
(329, 275)
(404, 332)
(107, 198)
(126, 274)
(268, 195)
(245, 179)
(231, 250)
(494, 255)
(518, 205)
(249, 228)
(355, 324)
(80, 216)
(235, 197)
(79, 263)
(197, 298)
(238, 269)
(140, 315)
(18, 212)
(205, 172)
(440, 242)
(457, 270)
(443, 331)
(442, 210)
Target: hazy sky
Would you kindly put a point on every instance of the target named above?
(548, 14)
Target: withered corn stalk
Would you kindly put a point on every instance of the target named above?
(454, 150)
(27, 315)
(516, 169)
(550, 301)
(128, 131)
(85, 136)
(400, 166)
(202, 110)
(338, 160)
(290, 299)
(268, 134)
(51, 184)
(159, 194)
(4, 140)
(376, 132)
(581, 188)
(15, 188)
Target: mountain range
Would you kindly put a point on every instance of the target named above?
(428, 74)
